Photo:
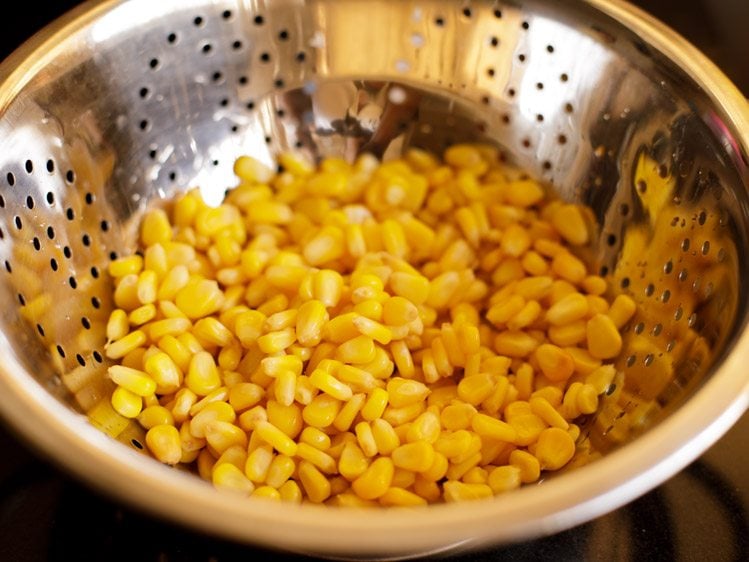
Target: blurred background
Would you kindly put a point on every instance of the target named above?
(700, 514)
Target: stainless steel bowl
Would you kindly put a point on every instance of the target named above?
(121, 103)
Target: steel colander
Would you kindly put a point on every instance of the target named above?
(121, 104)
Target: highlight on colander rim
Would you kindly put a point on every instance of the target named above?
(368, 278)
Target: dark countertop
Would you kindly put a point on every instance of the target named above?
(702, 513)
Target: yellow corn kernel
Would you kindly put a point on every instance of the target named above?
(454, 491)
(621, 310)
(375, 405)
(164, 442)
(357, 378)
(373, 329)
(381, 367)
(213, 331)
(400, 497)
(304, 392)
(353, 462)
(397, 311)
(492, 428)
(554, 448)
(167, 327)
(601, 378)
(584, 362)
(258, 464)
(587, 399)
(311, 317)
(414, 288)
(357, 350)
(327, 287)
(403, 392)
(476, 388)
(569, 222)
(280, 470)
(348, 412)
(555, 363)
(290, 492)
(235, 455)
(284, 388)
(202, 375)
(568, 334)
(318, 458)
(218, 395)
(453, 444)
(523, 193)
(504, 478)
(287, 418)
(117, 325)
(316, 438)
(184, 400)
(366, 439)
(142, 314)
(321, 411)
(199, 298)
(527, 464)
(514, 344)
(375, 480)
(135, 381)
(129, 265)
(155, 415)
(221, 435)
(275, 342)
(457, 415)
(417, 456)
(126, 403)
(228, 477)
(341, 328)
(177, 352)
(276, 438)
(426, 427)
(214, 411)
(567, 310)
(250, 418)
(544, 410)
(477, 475)
(325, 246)
(330, 385)
(248, 327)
(315, 485)
(164, 371)
(569, 267)
(604, 340)
(174, 280)
(121, 347)
(403, 359)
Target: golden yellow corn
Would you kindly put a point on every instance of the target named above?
(604, 340)
(554, 448)
(288, 347)
(504, 478)
(126, 403)
(228, 477)
(375, 480)
(135, 381)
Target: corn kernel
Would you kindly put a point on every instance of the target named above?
(460, 491)
(276, 438)
(228, 477)
(554, 448)
(316, 486)
(126, 403)
(604, 340)
(375, 480)
(504, 478)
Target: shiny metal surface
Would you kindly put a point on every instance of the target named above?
(123, 103)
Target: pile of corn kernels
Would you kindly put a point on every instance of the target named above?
(396, 334)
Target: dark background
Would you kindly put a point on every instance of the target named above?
(700, 514)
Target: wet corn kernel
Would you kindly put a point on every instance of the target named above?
(228, 477)
(375, 480)
(286, 333)
(554, 448)
(604, 340)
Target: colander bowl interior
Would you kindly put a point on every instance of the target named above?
(122, 104)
